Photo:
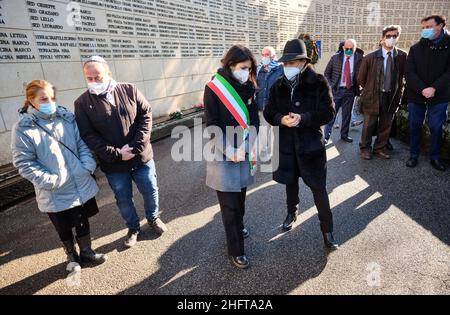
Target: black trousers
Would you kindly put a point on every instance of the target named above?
(321, 201)
(380, 125)
(232, 207)
(65, 232)
(343, 98)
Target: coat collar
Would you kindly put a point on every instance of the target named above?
(379, 53)
(29, 117)
(443, 44)
(308, 76)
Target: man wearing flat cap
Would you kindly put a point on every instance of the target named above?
(115, 120)
(300, 103)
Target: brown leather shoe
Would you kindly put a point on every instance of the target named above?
(366, 155)
(382, 155)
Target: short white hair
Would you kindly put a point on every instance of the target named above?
(351, 40)
(270, 49)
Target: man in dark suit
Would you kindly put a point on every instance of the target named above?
(341, 73)
(381, 76)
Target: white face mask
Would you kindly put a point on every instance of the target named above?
(97, 88)
(241, 75)
(291, 72)
(391, 42)
(265, 61)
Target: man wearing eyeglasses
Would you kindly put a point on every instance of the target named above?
(382, 78)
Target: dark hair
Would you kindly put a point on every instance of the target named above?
(237, 54)
(439, 19)
(304, 36)
(391, 28)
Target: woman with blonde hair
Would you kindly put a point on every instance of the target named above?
(49, 152)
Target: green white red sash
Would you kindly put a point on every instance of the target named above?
(233, 102)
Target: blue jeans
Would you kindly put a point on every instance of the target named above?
(436, 117)
(145, 179)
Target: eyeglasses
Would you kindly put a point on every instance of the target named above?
(392, 36)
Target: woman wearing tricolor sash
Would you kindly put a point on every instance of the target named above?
(232, 121)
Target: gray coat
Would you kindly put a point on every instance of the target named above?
(225, 175)
(61, 181)
(221, 173)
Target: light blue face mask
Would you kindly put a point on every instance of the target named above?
(48, 108)
(428, 33)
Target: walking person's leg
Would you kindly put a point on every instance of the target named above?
(232, 218)
(384, 128)
(314, 175)
(437, 116)
(292, 201)
(242, 198)
(66, 236)
(337, 99)
(393, 133)
(146, 181)
(365, 144)
(87, 254)
(347, 106)
(416, 119)
(121, 185)
(322, 202)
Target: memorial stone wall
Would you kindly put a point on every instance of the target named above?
(170, 48)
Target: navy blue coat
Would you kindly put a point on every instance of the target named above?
(265, 82)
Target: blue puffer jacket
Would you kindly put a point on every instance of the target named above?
(61, 181)
(265, 82)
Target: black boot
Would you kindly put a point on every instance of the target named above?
(329, 241)
(240, 261)
(87, 254)
(290, 219)
(71, 252)
(437, 164)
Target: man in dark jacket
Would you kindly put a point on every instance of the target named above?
(428, 87)
(300, 103)
(381, 76)
(269, 70)
(341, 73)
(115, 121)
